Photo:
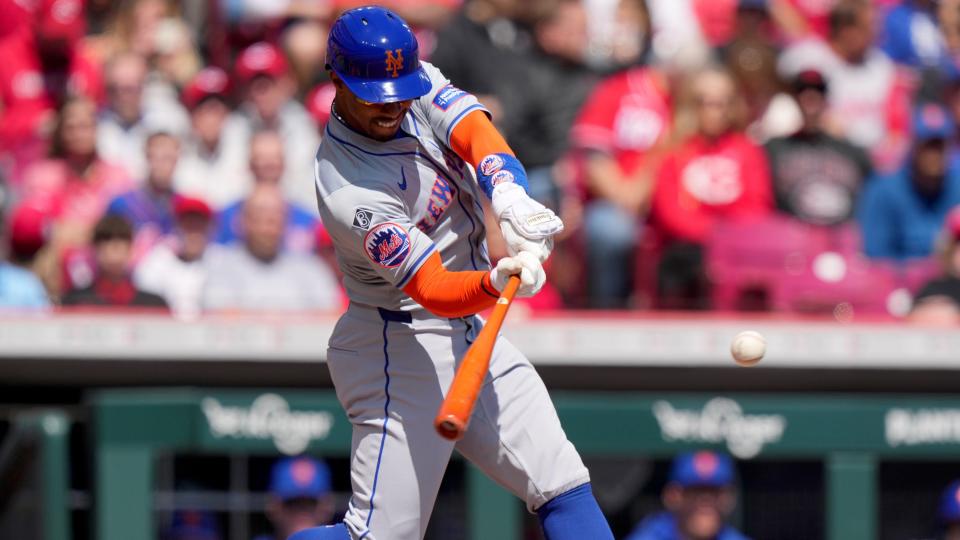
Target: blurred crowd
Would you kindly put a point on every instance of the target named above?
(784, 155)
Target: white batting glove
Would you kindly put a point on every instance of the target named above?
(527, 225)
(532, 275)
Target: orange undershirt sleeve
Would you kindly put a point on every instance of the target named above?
(475, 138)
(451, 294)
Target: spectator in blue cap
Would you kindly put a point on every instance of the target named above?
(698, 497)
(299, 496)
(193, 525)
(901, 213)
(949, 511)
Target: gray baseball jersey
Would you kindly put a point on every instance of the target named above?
(388, 206)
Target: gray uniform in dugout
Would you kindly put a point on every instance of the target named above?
(388, 206)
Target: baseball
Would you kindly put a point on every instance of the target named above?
(748, 348)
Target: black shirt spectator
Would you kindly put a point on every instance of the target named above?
(532, 77)
(816, 176)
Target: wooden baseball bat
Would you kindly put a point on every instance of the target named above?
(454, 414)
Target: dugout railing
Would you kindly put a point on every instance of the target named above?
(34, 474)
(849, 435)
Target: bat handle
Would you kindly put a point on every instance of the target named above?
(455, 411)
(450, 427)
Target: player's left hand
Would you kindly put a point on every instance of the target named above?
(524, 264)
(527, 225)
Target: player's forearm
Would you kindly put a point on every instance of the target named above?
(451, 294)
(475, 138)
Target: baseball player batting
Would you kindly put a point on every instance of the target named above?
(397, 192)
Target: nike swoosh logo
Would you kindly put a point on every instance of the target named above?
(403, 185)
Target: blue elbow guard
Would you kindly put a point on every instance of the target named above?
(499, 168)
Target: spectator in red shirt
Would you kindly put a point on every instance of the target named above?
(717, 173)
(75, 185)
(43, 64)
(619, 139)
(112, 286)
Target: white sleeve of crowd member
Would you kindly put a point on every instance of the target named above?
(255, 9)
(445, 104)
(369, 223)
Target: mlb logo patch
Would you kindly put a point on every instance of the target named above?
(362, 218)
(387, 244)
(491, 164)
(501, 177)
(447, 96)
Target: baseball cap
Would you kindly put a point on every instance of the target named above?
(193, 525)
(302, 476)
(809, 79)
(949, 510)
(29, 230)
(208, 82)
(702, 468)
(62, 19)
(190, 205)
(932, 121)
(261, 58)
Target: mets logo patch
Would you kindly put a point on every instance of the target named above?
(501, 177)
(491, 164)
(387, 244)
(447, 96)
(394, 63)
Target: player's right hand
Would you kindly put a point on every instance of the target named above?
(532, 275)
(526, 224)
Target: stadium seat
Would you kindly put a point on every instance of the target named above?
(840, 284)
(746, 258)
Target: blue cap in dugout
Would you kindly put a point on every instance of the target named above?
(702, 468)
(293, 478)
(949, 511)
(376, 55)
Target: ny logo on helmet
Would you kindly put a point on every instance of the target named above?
(394, 63)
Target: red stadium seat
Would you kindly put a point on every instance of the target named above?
(841, 284)
(750, 256)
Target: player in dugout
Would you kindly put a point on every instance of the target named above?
(300, 496)
(698, 497)
(949, 511)
(396, 191)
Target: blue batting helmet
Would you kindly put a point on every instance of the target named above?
(376, 55)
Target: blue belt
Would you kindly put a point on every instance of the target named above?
(395, 316)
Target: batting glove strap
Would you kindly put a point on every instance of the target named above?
(496, 169)
(532, 275)
(529, 218)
